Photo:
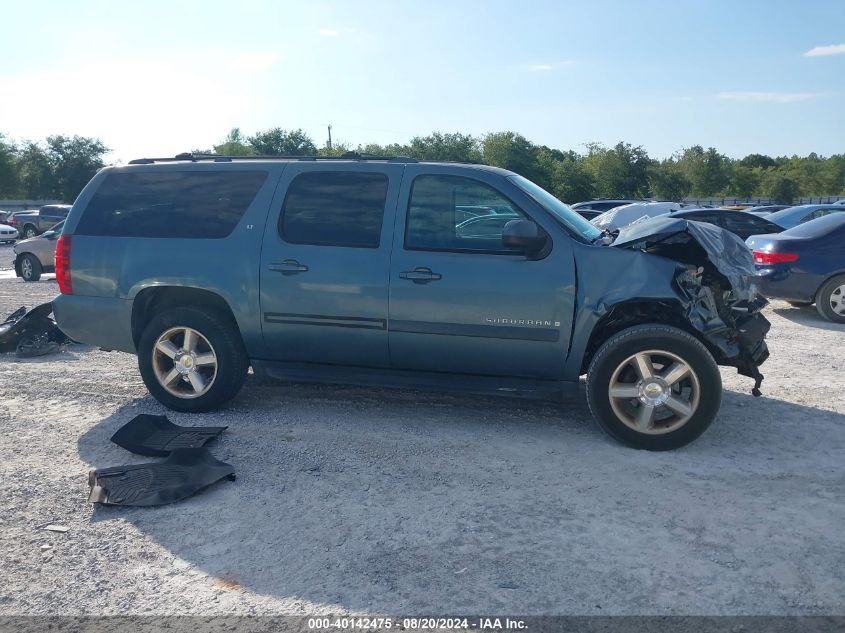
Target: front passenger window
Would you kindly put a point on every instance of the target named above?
(452, 213)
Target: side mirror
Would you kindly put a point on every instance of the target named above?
(526, 236)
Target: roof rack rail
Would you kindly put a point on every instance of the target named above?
(217, 158)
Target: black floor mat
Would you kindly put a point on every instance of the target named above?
(185, 472)
(156, 436)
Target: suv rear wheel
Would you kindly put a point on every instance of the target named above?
(654, 387)
(192, 360)
(29, 231)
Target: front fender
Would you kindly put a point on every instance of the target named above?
(609, 277)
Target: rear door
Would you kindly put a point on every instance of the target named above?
(325, 261)
(462, 303)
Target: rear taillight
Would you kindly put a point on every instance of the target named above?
(13, 221)
(762, 257)
(63, 265)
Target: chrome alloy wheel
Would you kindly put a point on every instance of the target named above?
(837, 300)
(26, 268)
(654, 392)
(184, 362)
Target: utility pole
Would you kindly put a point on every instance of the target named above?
(330, 136)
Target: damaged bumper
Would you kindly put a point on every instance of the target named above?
(31, 333)
(713, 279)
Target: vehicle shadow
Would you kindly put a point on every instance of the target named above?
(807, 315)
(410, 502)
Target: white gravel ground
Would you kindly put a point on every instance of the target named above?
(402, 502)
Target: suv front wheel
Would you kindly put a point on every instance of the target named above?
(192, 360)
(654, 387)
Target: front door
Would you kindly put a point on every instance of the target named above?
(462, 303)
(325, 261)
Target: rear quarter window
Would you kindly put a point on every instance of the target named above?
(170, 204)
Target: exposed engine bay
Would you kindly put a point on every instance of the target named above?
(714, 282)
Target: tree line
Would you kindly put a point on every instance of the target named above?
(621, 171)
(56, 169)
(60, 166)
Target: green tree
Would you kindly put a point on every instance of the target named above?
(564, 175)
(36, 172)
(9, 175)
(235, 144)
(745, 181)
(619, 172)
(458, 147)
(74, 161)
(758, 160)
(279, 142)
(707, 170)
(780, 186)
(668, 182)
(511, 151)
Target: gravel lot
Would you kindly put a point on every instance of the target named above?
(402, 502)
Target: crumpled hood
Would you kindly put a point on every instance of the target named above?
(681, 240)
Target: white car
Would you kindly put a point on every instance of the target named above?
(840, 201)
(629, 214)
(8, 233)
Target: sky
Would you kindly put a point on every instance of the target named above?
(156, 78)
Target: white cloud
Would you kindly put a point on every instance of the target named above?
(771, 97)
(139, 105)
(328, 33)
(253, 61)
(824, 51)
(539, 68)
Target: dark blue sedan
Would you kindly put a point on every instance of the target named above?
(805, 264)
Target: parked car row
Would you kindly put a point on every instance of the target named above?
(805, 264)
(8, 233)
(798, 250)
(36, 255)
(34, 222)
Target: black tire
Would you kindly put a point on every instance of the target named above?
(619, 347)
(800, 304)
(221, 332)
(30, 267)
(29, 231)
(831, 289)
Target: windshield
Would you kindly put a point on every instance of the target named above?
(787, 213)
(818, 227)
(560, 210)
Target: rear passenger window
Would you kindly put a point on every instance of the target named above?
(331, 208)
(170, 204)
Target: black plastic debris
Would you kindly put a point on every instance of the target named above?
(156, 436)
(185, 472)
(31, 333)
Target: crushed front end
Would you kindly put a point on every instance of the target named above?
(714, 282)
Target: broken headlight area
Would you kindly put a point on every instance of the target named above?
(714, 280)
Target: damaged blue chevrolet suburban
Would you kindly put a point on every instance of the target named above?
(389, 271)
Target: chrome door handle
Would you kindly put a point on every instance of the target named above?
(288, 267)
(420, 275)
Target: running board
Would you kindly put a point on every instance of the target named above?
(372, 377)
